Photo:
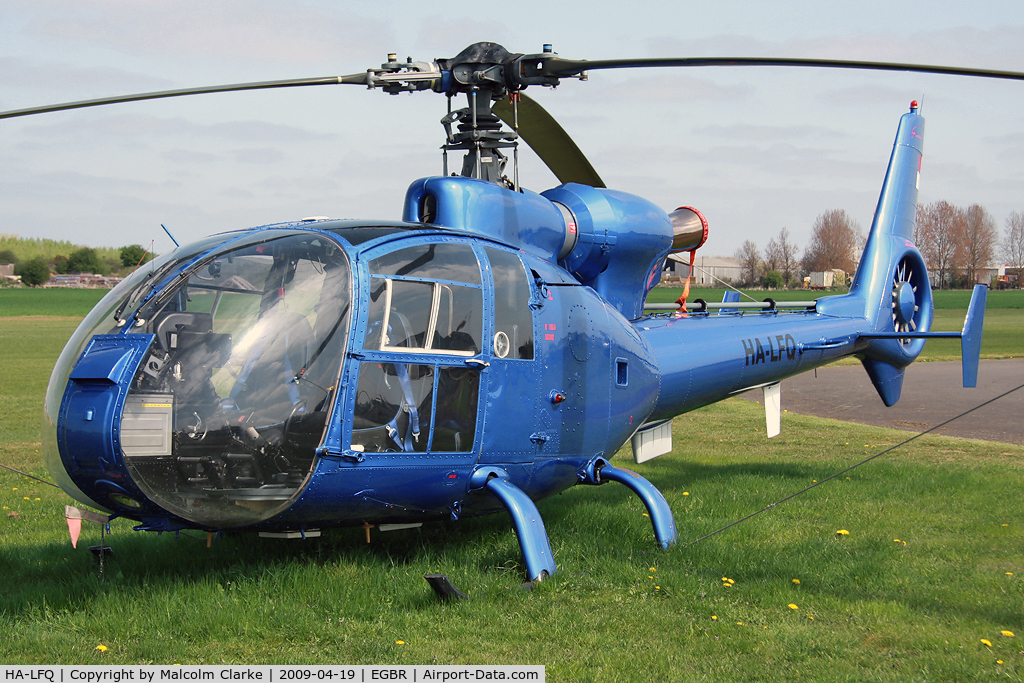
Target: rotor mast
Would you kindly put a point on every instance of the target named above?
(481, 72)
(481, 136)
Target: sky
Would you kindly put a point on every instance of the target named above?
(755, 149)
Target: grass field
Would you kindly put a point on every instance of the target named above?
(867, 606)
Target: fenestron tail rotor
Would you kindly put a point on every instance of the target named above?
(906, 303)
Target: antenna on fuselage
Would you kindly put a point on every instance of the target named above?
(170, 235)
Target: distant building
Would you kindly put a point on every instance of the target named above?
(7, 272)
(83, 281)
(989, 274)
(1001, 277)
(709, 271)
(998, 276)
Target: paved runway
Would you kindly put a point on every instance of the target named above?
(932, 393)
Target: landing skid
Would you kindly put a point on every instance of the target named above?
(533, 538)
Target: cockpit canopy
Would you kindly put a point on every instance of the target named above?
(223, 417)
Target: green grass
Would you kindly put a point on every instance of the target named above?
(54, 302)
(618, 609)
(881, 610)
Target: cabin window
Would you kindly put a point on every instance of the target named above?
(415, 408)
(513, 320)
(426, 298)
(393, 407)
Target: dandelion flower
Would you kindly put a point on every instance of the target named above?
(653, 569)
(399, 642)
(686, 493)
(796, 581)
(714, 618)
(811, 617)
(999, 661)
(657, 588)
(896, 540)
(1007, 573)
(1008, 634)
(646, 515)
(792, 606)
(101, 648)
(732, 581)
(739, 623)
(986, 642)
(842, 532)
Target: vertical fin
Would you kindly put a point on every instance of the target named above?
(970, 340)
(731, 296)
(887, 379)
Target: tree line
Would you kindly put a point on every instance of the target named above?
(39, 269)
(957, 244)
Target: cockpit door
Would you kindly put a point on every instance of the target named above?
(509, 424)
(419, 372)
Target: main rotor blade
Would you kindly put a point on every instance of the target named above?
(556, 66)
(549, 140)
(355, 79)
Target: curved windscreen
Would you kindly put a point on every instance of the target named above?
(226, 411)
(105, 318)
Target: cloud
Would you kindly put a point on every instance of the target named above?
(237, 30)
(997, 48)
(18, 72)
(263, 155)
(133, 127)
(189, 157)
(441, 34)
(755, 132)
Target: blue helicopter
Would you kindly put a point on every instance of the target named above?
(488, 350)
